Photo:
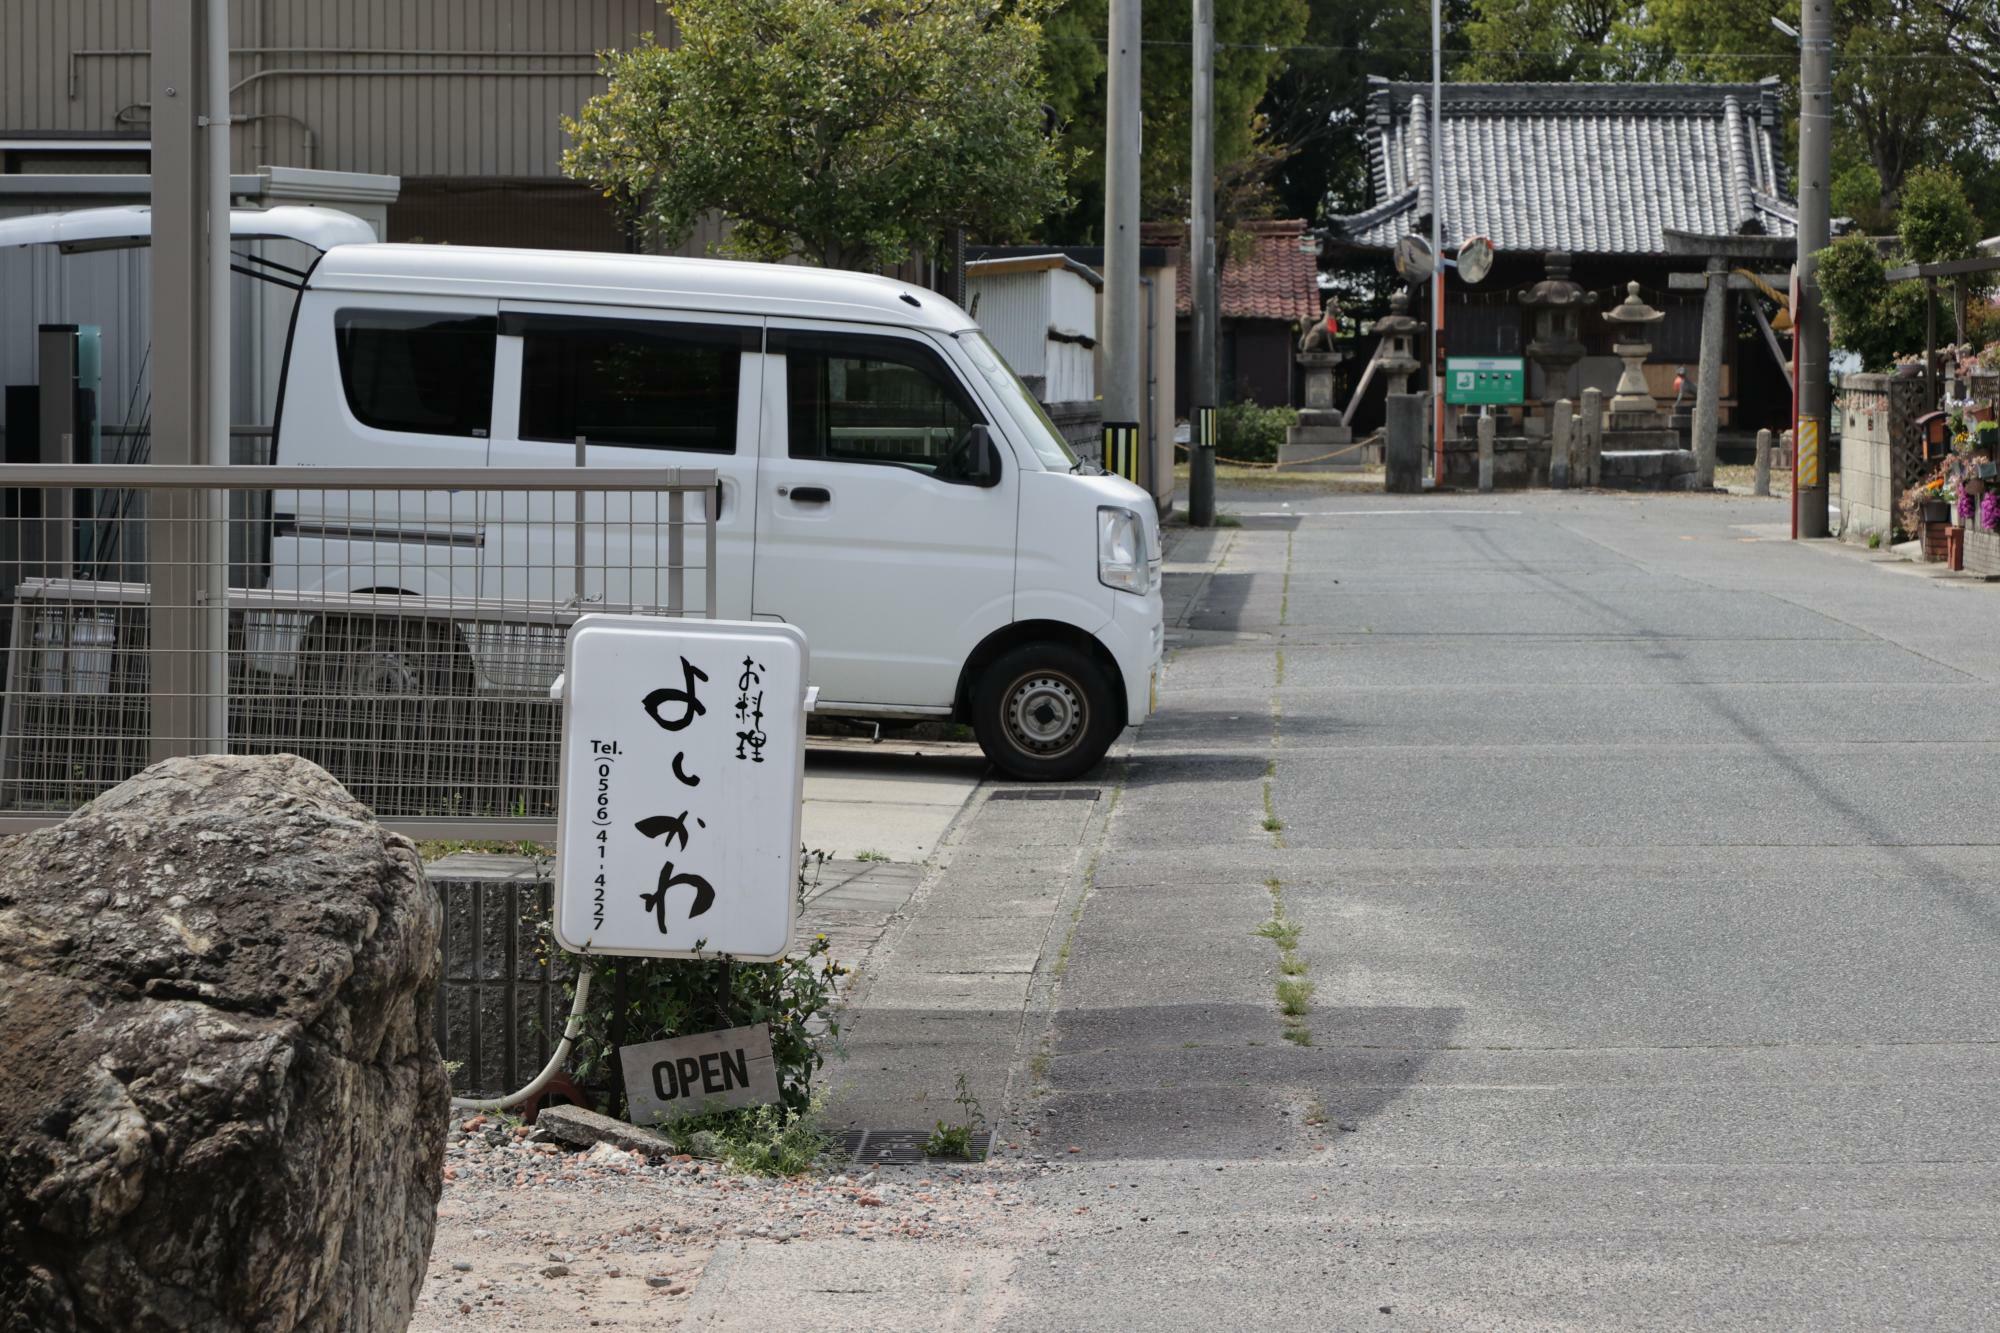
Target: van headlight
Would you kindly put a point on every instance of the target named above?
(1121, 551)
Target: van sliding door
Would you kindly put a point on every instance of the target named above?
(642, 389)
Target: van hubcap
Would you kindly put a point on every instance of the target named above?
(1045, 714)
(381, 671)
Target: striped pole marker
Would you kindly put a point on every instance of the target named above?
(1121, 449)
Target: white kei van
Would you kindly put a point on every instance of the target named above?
(887, 484)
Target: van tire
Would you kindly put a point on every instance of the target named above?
(384, 658)
(1044, 712)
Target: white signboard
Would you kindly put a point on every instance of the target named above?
(710, 1071)
(683, 753)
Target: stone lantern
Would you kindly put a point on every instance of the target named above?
(1398, 328)
(1555, 302)
(1633, 406)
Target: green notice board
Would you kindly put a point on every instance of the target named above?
(1472, 380)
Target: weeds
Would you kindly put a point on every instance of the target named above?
(1294, 992)
(1272, 824)
(871, 856)
(755, 1140)
(954, 1139)
(1281, 933)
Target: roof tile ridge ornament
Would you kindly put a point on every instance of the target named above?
(1400, 202)
(1741, 205)
(1420, 153)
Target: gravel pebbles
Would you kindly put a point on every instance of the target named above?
(541, 1236)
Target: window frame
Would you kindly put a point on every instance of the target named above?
(439, 311)
(746, 339)
(782, 340)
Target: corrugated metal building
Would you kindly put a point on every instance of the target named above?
(462, 99)
(434, 121)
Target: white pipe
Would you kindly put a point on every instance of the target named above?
(219, 347)
(557, 1060)
(215, 420)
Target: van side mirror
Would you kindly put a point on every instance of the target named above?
(976, 460)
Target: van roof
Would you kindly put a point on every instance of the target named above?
(596, 278)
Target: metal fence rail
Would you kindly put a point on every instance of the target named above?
(399, 627)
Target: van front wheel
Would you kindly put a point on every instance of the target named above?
(1044, 712)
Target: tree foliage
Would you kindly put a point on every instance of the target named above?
(1906, 73)
(846, 132)
(1252, 38)
(1550, 41)
(1873, 318)
(1318, 100)
(1936, 221)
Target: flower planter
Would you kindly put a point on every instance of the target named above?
(1934, 511)
(1981, 551)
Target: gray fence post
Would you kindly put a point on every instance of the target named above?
(1593, 438)
(1403, 444)
(1562, 446)
(1486, 428)
(1762, 482)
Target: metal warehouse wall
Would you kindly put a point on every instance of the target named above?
(402, 87)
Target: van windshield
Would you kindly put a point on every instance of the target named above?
(1036, 424)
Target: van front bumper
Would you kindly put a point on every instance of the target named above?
(1136, 638)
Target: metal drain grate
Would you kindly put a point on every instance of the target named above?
(1045, 794)
(902, 1147)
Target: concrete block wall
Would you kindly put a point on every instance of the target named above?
(1867, 465)
(1982, 552)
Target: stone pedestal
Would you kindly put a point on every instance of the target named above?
(1632, 397)
(1321, 430)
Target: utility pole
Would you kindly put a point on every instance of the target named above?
(186, 542)
(1436, 378)
(1201, 253)
(1122, 328)
(1815, 165)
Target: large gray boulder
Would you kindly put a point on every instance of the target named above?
(223, 1105)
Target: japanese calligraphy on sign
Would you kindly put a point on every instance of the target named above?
(679, 823)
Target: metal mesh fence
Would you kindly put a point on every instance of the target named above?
(402, 630)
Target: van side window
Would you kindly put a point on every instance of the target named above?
(638, 383)
(410, 370)
(857, 399)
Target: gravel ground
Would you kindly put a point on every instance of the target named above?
(541, 1236)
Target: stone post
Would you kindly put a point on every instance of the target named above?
(1786, 458)
(1563, 472)
(1708, 379)
(1403, 448)
(1486, 428)
(1593, 437)
(1762, 484)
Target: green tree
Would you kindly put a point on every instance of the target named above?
(1551, 41)
(1857, 195)
(1873, 318)
(847, 132)
(1936, 222)
(1902, 83)
(1251, 38)
(1318, 101)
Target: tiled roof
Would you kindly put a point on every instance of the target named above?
(1605, 168)
(1277, 279)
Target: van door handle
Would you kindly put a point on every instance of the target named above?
(809, 495)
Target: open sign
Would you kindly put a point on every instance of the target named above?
(710, 1071)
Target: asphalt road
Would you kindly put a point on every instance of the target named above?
(1644, 870)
